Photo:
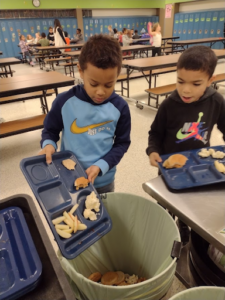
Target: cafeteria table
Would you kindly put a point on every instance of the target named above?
(186, 43)
(7, 62)
(152, 63)
(202, 209)
(27, 84)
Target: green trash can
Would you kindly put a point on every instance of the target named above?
(201, 293)
(139, 243)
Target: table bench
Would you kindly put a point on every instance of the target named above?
(166, 90)
(21, 126)
(30, 96)
(52, 60)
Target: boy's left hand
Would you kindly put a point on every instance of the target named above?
(92, 173)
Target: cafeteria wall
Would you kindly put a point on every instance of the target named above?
(11, 29)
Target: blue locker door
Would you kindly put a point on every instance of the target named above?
(5, 35)
(133, 23)
(201, 26)
(129, 23)
(106, 23)
(185, 26)
(213, 29)
(176, 25)
(207, 28)
(50, 23)
(180, 28)
(111, 22)
(31, 28)
(2, 44)
(68, 26)
(91, 26)
(220, 28)
(137, 25)
(12, 37)
(124, 22)
(37, 26)
(45, 27)
(25, 28)
(96, 26)
(195, 34)
(119, 24)
(63, 24)
(141, 23)
(190, 27)
(86, 28)
(101, 25)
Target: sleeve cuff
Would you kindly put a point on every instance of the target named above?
(103, 165)
(49, 142)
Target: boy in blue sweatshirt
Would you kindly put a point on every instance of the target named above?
(94, 120)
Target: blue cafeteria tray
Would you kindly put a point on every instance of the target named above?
(198, 171)
(53, 186)
(20, 265)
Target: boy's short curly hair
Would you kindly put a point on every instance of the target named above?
(198, 58)
(102, 51)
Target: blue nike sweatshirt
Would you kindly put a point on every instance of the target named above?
(98, 134)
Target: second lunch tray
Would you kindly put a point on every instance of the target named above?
(197, 171)
(53, 186)
(20, 265)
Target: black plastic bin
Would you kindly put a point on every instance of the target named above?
(53, 283)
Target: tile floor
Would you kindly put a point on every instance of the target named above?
(134, 168)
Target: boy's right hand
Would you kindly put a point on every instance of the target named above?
(154, 159)
(48, 150)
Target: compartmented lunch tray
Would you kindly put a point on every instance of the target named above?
(20, 265)
(197, 171)
(53, 186)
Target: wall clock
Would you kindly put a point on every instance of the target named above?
(36, 3)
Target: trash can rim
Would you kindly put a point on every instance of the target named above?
(199, 288)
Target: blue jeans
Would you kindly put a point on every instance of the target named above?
(106, 189)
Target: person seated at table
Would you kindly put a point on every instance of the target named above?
(111, 32)
(30, 39)
(50, 36)
(116, 36)
(78, 37)
(44, 42)
(94, 121)
(37, 38)
(136, 35)
(155, 32)
(25, 49)
(127, 39)
(185, 120)
(67, 40)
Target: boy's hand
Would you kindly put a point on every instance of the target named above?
(48, 150)
(92, 173)
(154, 159)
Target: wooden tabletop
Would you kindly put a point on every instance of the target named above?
(9, 61)
(157, 62)
(136, 47)
(170, 38)
(60, 47)
(72, 53)
(33, 83)
(197, 41)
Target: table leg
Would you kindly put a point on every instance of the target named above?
(5, 68)
(150, 79)
(11, 73)
(128, 84)
(56, 91)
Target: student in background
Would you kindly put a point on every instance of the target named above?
(67, 40)
(155, 32)
(44, 42)
(30, 39)
(25, 49)
(127, 40)
(94, 121)
(136, 35)
(185, 120)
(111, 33)
(78, 37)
(37, 37)
(116, 36)
(59, 35)
(51, 36)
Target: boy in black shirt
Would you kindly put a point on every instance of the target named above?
(51, 36)
(186, 118)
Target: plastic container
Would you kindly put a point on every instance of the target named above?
(20, 265)
(53, 283)
(53, 186)
(197, 171)
(139, 243)
(201, 293)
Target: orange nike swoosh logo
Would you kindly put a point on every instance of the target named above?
(78, 130)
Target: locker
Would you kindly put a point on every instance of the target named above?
(195, 33)
(2, 45)
(119, 24)
(106, 23)
(180, 28)
(86, 28)
(208, 27)
(5, 37)
(129, 22)
(133, 23)
(91, 27)
(101, 24)
(220, 28)
(124, 22)
(96, 26)
(62, 22)
(12, 40)
(190, 27)
(213, 29)
(137, 25)
(201, 25)
(185, 27)
(176, 25)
